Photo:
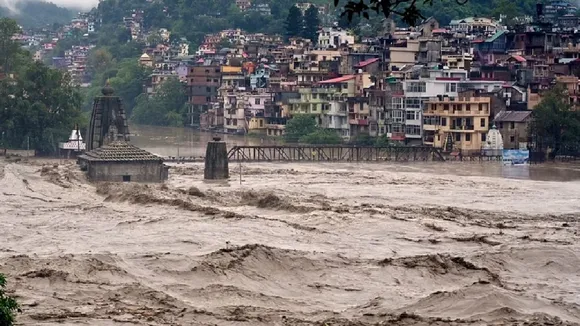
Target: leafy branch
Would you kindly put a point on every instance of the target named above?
(8, 305)
(406, 9)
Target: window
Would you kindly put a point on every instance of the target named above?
(417, 87)
(443, 122)
(458, 137)
(512, 125)
(482, 122)
(483, 137)
(413, 130)
(397, 103)
(257, 101)
(235, 122)
(512, 139)
(126, 178)
(445, 106)
(450, 87)
(410, 115)
(467, 137)
(413, 102)
(207, 89)
(398, 116)
(261, 123)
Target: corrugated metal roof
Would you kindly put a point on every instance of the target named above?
(495, 36)
(337, 80)
(119, 151)
(365, 63)
(512, 116)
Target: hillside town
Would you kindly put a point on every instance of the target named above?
(434, 85)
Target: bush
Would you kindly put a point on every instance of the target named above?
(8, 305)
(299, 126)
(383, 140)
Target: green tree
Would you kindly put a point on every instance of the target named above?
(40, 108)
(363, 140)
(382, 140)
(8, 305)
(8, 47)
(300, 125)
(167, 107)
(294, 22)
(311, 24)
(506, 8)
(321, 137)
(555, 124)
(100, 60)
(224, 43)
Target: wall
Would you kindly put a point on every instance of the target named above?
(517, 130)
(139, 171)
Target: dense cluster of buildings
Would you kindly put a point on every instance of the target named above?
(444, 86)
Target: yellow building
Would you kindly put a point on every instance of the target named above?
(457, 124)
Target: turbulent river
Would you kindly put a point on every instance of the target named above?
(292, 244)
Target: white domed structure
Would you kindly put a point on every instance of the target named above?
(494, 143)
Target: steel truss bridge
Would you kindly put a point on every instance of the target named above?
(330, 153)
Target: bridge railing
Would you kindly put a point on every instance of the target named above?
(333, 153)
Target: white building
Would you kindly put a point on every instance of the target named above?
(333, 38)
(406, 112)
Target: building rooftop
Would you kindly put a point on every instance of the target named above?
(512, 116)
(119, 151)
(337, 80)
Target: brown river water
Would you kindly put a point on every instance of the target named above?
(292, 244)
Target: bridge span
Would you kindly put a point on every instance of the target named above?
(333, 153)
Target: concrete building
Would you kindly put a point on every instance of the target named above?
(120, 161)
(333, 38)
(457, 125)
(513, 127)
(203, 83)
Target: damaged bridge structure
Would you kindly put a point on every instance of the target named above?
(333, 153)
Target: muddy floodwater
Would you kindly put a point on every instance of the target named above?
(293, 244)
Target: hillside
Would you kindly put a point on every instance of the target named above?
(34, 14)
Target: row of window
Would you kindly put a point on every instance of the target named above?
(455, 122)
(467, 137)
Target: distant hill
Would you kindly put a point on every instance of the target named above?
(34, 14)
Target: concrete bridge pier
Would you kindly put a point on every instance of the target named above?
(216, 160)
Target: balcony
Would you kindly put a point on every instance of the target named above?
(400, 136)
(359, 122)
(462, 128)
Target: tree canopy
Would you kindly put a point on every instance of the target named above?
(555, 124)
(311, 24)
(294, 22)
(8, 305)
(40, 105)
(167, 107)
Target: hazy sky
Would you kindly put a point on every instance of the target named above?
(81, 4)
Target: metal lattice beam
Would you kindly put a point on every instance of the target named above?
(330, 153)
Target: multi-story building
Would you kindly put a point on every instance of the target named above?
(203, 83)
(333, 38)
(457, 124)
(513, 127)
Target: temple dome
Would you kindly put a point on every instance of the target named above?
(107, 90)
